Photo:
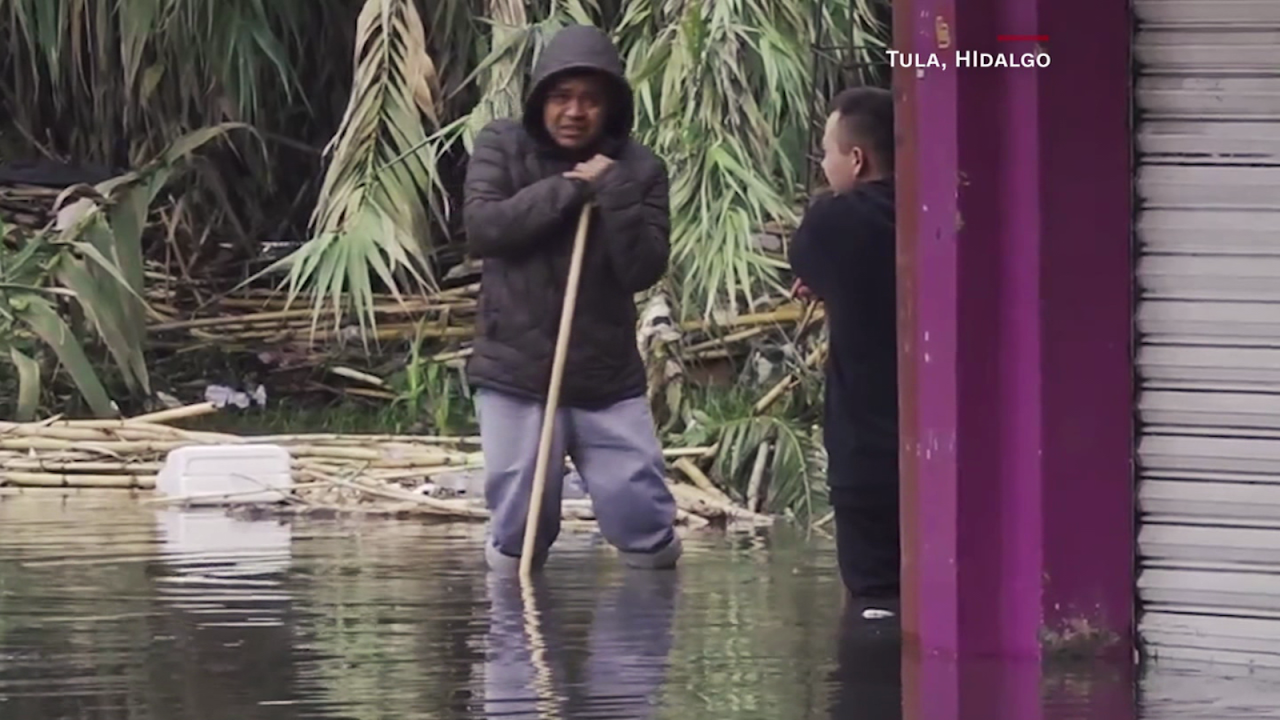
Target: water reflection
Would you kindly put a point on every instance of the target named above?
(113, 611)
(229, 571)
(942, 690)
(537, 667)
(867, 679)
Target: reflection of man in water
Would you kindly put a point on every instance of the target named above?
(867, 681)
(622, 669)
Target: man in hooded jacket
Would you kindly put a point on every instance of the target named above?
(527, 182)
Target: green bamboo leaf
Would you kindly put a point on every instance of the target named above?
(102, 264)
(28, 385)
(128, 218)
(137, 22)
(185, 145)
(40, 316)
(107, 309)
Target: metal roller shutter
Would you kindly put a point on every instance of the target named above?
(1208, 321)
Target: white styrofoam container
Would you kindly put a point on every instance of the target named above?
(208, 474)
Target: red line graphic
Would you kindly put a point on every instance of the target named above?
(1022, 38)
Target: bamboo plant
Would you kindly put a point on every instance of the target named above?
(92, 261)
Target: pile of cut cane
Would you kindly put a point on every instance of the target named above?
(380, 475)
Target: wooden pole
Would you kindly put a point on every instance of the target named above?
(553, 396)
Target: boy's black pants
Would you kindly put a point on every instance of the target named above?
(864, 497)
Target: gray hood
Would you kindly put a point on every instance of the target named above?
(577, 48)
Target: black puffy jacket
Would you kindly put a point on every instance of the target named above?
(521, 214)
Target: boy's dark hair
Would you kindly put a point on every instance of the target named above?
(866, 119)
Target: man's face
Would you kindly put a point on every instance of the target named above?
(841, 168)
(575, 110)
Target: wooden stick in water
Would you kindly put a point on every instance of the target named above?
(553, 397)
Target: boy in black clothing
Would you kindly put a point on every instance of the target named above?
(844, 255)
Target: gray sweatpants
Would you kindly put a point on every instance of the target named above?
(617, 454)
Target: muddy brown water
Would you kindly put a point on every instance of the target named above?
(112, 610)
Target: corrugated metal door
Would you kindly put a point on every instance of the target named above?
(1208, 320)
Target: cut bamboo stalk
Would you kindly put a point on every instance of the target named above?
(301, 468)
(694, 500)
(444, 507)
(715, 343)
(34, 428)
(370, 393)
(820, 522)
(785, 314)
(358, 376)
(451, 355)
(183, 499)
(40, 464)
(97, 492)
(304, 333)
(700, 479)
(128, 425)
(757, 477)
(367, 440)
(698, 452)
(84, 434)
(385, 456)
(385, 304)
(432, 472)
(425, 462)
(125, 433)
(275, 316)
(34, 479)
(769, 398)
(348, 453)
(180, 413)
(114, 448)
(810, 308)
(787, 383)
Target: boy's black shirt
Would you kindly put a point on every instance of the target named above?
(845, 253)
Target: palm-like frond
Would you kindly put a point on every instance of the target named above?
(795, 464)
(726, 94)
(795, 470)
(517, 37)
(372, 216)
(502, 72)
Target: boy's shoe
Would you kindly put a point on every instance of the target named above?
(876, 609)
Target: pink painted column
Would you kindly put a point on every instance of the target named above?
(1015, 316)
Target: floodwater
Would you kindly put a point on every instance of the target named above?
(113, 610)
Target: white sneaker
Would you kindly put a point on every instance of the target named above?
(878, 614)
